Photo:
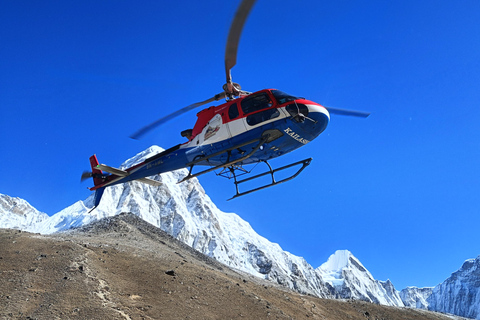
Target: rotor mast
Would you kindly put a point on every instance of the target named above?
(234, 89)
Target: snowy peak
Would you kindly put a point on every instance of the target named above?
(342, 259)
(339, 264)
(337, 261)
(469, 267)
(142, 156)
(16, 213)
(352, 280)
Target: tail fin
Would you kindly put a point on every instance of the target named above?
(98, 178)
(96, 173)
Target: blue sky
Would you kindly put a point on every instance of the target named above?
(400, 189)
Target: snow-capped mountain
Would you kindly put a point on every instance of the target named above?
(16, 213)
(460, 293)
(352, 280)
(187, 213)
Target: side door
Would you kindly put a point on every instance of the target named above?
(236, 124)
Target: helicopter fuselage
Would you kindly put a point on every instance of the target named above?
(290, 122)
(263, 125)
(293, 121)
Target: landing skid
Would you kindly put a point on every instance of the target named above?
(233, 167)
(270, 172)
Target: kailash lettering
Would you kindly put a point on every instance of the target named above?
(295, 136)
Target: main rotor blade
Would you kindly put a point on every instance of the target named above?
(234, 35)
(137, 135)
(345, 112)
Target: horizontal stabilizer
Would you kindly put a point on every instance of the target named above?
(123, 173)
(151, 182)
(112, 170)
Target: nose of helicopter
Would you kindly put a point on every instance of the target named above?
(317, 119)
(320, 110)
(308, 121)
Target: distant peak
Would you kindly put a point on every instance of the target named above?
(470, 263)
(141, 156)
(337, 261)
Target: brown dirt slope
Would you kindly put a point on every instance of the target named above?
(124, 268)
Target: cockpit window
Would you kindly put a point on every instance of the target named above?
(282, 97)
(257, 102)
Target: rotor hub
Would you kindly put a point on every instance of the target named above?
(232, 89)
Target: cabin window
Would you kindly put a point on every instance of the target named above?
(262, 116)
(233, 111)
(255, 103)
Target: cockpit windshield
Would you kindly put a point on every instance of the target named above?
(282, 97)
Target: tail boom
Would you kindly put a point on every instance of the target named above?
(101, 180)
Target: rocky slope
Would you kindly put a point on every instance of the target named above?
(124, 268)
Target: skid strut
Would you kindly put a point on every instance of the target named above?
(267, 137)
(271, 172)
(261, 141)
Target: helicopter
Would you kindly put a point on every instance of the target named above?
(249, 128)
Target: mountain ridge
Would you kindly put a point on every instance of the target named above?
(185, 212)
(17, 213)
